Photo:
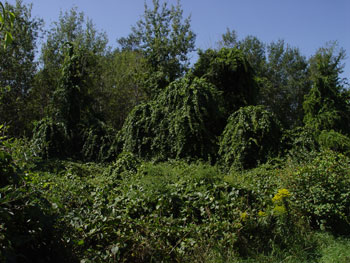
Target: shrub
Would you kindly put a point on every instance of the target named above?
(126, 164)
(50, 138)
(321, 191)
(251, 136)
(27, 232)
(334, 141)
(97, 140)
(299, 144)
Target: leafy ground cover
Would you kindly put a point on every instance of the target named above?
(135, 211)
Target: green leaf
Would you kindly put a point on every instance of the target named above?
(12, 18)
(2, 13)
(8, 39)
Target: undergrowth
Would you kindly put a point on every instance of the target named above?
(136, 211)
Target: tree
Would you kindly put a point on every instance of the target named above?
(285, 83)
(251, 136)
(72, 127)
(281, 73)
(18, 68)
(122, 76)
(72, 27)
(251, 46)
(58, 134)
(230, 72)
(165, 40)
(255, 52)
(5, 15)
(182, 122)
(326, 105)
(229, 39)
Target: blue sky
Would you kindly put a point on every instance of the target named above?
(306, 24)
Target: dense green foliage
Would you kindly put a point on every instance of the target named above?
(321, 191)
(165, 39)
(6, 24)
(73, 128)
(90, 51)
(137, 157)
(183, 122)
(252, 136)
(230, 72)
(281, 74)
(27, 232)
(122, 75)
(17, 67)
(326, 105)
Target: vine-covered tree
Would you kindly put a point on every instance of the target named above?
(182, 122)
(72, 26)
(251, 136)
(165, 39)
(230, 72)
(72, 127)
(122, 76)
(326, 105)
(281, 74)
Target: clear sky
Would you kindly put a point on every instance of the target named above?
(307, 24)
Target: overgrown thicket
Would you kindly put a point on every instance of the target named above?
(131, 155)
(183, 122)
(251, 137)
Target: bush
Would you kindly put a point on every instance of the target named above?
(50, 138)
(170, 212)
(126, 164)
(334, 141)
(321, 191)
(27, 232)
(97, 140)
(251, 136)
(299, 144)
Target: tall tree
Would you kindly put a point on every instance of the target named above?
(285, 84)
(255, 52)
(165, 39)
(122, 76)
(72, 128)
(281, 74)
(251, 46)
(72, 26)
(327, 104)
(230, 72)
(18, 68)
(229, 39)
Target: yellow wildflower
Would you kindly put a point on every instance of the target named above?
(261, 213)
(281, 195)
(244, 216)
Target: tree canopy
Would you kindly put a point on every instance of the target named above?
(326, 105)
(165, 39)
(18, 69)
(231, 73)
